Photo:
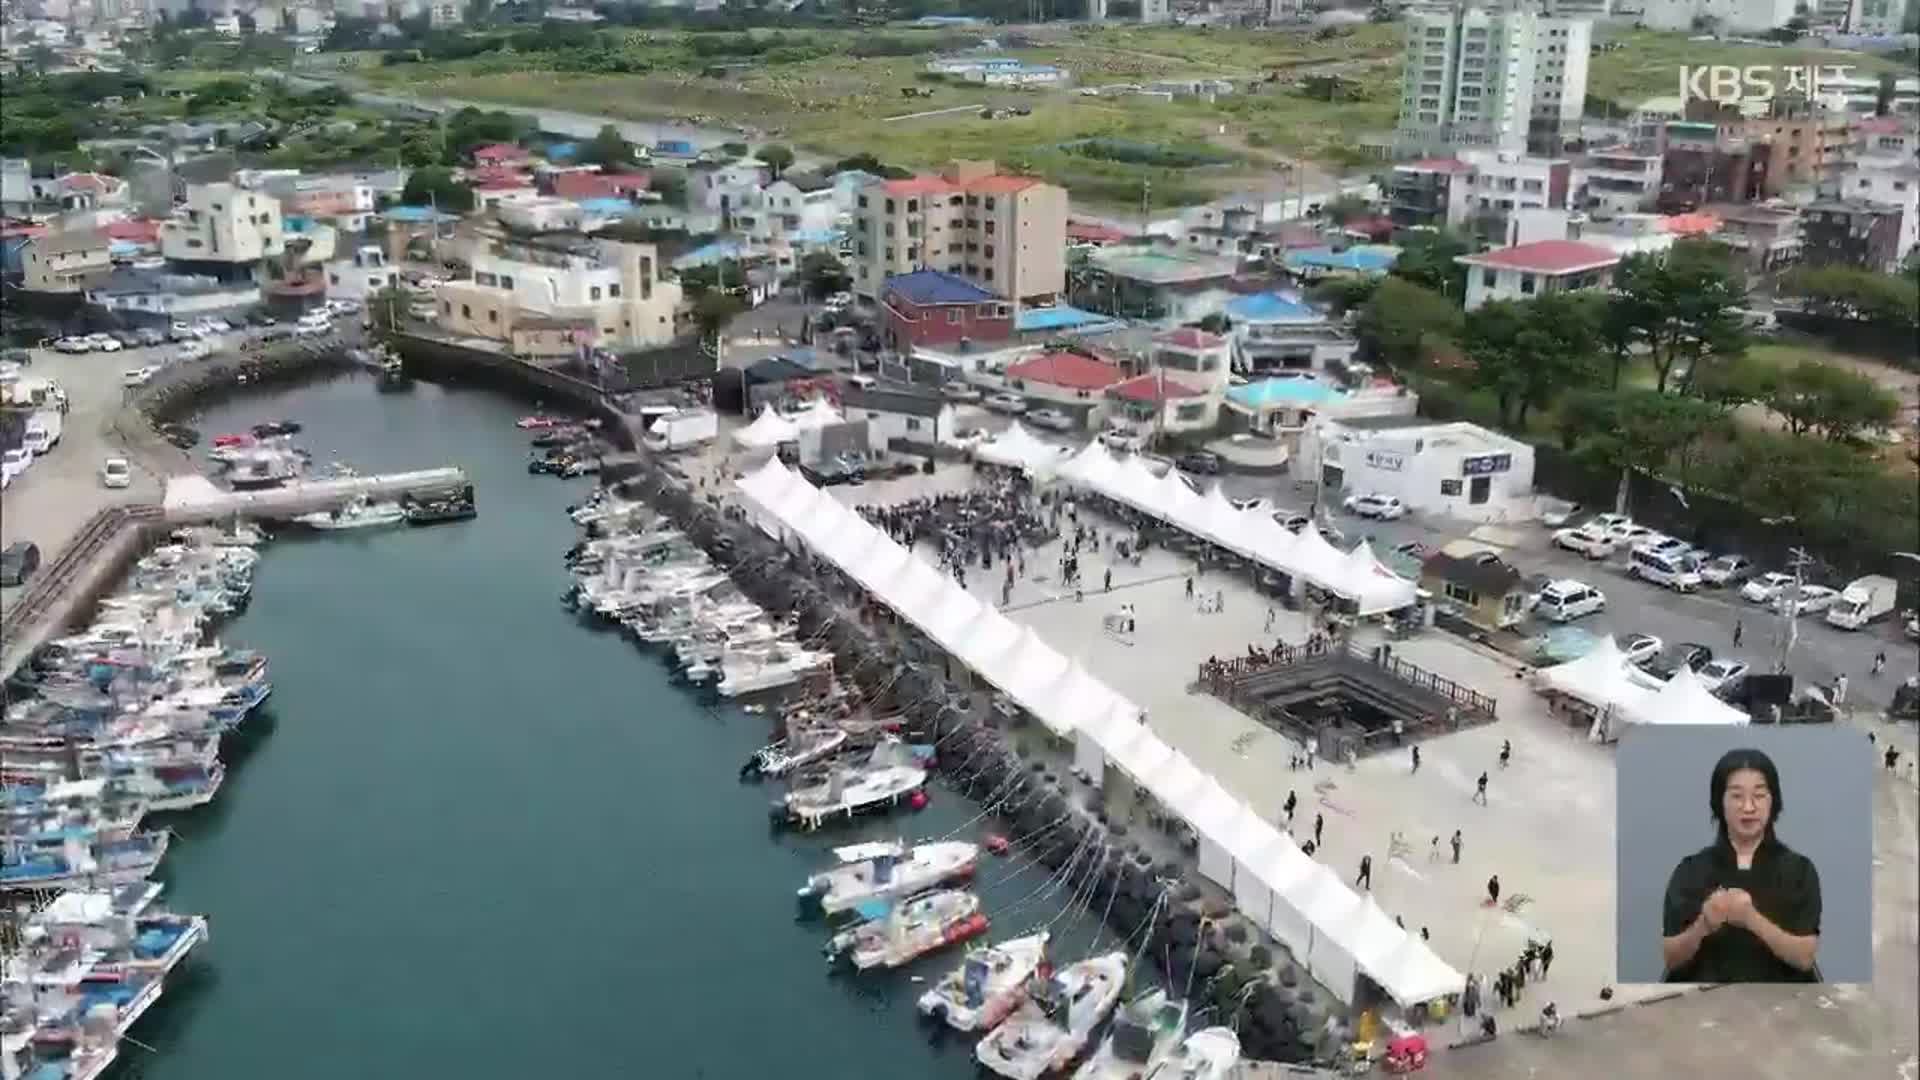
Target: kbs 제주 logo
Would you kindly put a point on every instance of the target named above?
(1730, 85)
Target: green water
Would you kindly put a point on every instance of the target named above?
(483, 841)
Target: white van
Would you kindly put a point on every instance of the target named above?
(1677, 571)
(1566, 600)
(42, 433)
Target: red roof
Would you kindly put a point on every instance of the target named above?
(1545, 257)
(582, 186)
(134, 230)
(509, 182)
(1690, 224)
(917, 185)
(1885, 125)
(1070, 371)
(1445, 165)
(1090, 233)
(500, 152)
(1187, 337)
(629, 181)
(1001, 185)
(1155, 389)
(86, 181)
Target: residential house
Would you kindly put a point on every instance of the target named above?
(615, 285)
(500, 155)
(1157, 282)
(1504, 182)
(928, 307)
(1617, 180)
(1805, 145)
(1074, 383)
(899, 414)
(361, 275)
(66, 262)
(1525, 271)
(1852, 233)
(1274, 332)
(1478, 586)
(1703, 164)
(1887, 137)
(1159, 404)
(1766, 239)
(164, 296)
(1886, 181)
(1004, 233)
(16, 235)
(1431, 193)
(720, 190)
(222, 231)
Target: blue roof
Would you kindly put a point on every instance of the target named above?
(1364, 258)
(1061, 317)
(606, 206)
(935, 287)
(413, 214)
(710, 253)
(1271, 307)
(816, 236)
(1270, 392)
(562, 151)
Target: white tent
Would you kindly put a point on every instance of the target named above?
(1598, 678)
(1216, 815)
(1683, 700)
(1412, 973)
(1373, 586)
(819, 413)
(1016, 448)
(767, 431)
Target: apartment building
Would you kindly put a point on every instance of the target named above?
(1886, 182)
(1852, 233)
(1806, 145)
(1491, 79)
(1617, 180)
(222, 230)
(615, 286)
(1728, 16)
(1433, 193)
(65, 262)
(1006, 234)
(1703, 164)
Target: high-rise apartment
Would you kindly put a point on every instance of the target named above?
(1491, 79)
(1006, 234)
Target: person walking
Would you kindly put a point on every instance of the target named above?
(1319, 823)
(1433, 849)
(1106, 581)
(1270, 615)
(1189, 588)
(1493, 890)
(1880, 661)
(1546, 960)
(1480, 790)
(1292, 801)
(1839, 690)
(1506, 752)
(1416, 759)
(1456, 847)
(1424, 936)
(1739, 631)
(1365, 878)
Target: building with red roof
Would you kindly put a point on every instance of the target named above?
(1165, 403)
(500, 154)
(1007, 234)
(1525, 271)
(1069, 379)
(1096, 234)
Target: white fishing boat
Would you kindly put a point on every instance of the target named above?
(896, 932)
(1051, 1028)
(1143, 1038)
(803, 746)
(1207, 1054)
(753, 671)
(888, 778)
(883, 870)
(358, 513)
(987, 986)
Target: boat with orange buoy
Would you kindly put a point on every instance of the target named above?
(891, 775)
(882, 871)
(896, 932)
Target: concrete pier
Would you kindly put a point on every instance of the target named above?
(192, 499)
(85, 570)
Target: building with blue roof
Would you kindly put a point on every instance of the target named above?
(1361, 260)
(934, 308)
(1268, 307)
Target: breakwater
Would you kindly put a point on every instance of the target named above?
(1196, 940)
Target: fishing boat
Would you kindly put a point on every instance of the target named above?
(885, 870)
(539, 422)
(130, 936)
(358, 513)
(888, 778)
(1207, 1054)
(1051, 1028)
(802, 747)
(262, 467)
(895, 932)
(987, 986)
(754, 671)
(79, 863)
(1144, 1037)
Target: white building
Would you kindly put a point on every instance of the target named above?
(614, 286)
(1729, 16)
(171, 296)
(1525, 271)
(1617, 181)
(222, 223)
(1889, 182)
(1504, 181)
(788, 209)
(901, 413)
(1491, 79)
(66, 262)
(1459, 470)
(360, 276)
(723, 190)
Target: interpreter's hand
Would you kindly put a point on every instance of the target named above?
(1714, 910)
(1737, 906)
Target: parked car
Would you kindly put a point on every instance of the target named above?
(1292, 522)
(1763, 589)
(1587, 540)
(1725, 676)
(1252, 506)
(1812, 599)
(1200, 461)
(1726, 570)
(959, 392)
(1007, 402)
(839, 301)
(179, 331)
(1129, 442)
(15, 461)
(1639, 648)
(1051, 419)
(1608, 522)
(1373, 505)
(127, 339)
(116, 472)
(1629, 534)
(104, 342)
(74, 345)
(1668, 661)
(1660, 544)
(1413, 549)
(18, 562)
(149, 337)
(139, 376)
(1566, 600)
(219, 326)
(1555, 513)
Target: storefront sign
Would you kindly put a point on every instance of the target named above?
(1485, 464)
(1387, 460)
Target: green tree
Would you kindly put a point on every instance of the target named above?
(1525, 353)
(607, 149)
(436, 187)
(1343, 294)
(1837, 403)
(712, 311)
(822, 274)
(1638, 431)
(778, 158)
(1347, 208)
(1402, 319)
(1682, 311)
(1849, 294)
(1427, 260)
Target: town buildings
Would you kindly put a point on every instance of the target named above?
(1526, 271)
(1004, 233)
(65, 262)
(1863, 235)
(614, 286)
(222, 230)
(934, 308)
(1456, 470)
(1491, 78)
(1726, 16)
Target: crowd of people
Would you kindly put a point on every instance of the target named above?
(974, 528)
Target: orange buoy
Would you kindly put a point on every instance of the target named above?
(918, 800)
(997, 844)
(970, 927)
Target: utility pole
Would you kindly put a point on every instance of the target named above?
(1798, 560)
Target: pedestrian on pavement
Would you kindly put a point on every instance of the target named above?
(1416, 759)
(1456, 847)
(1270, 615)
(1292, 801)
(1319, 823)
(1309, 848)
(1880, 661)
(1503, 988)
(1365, 878)
(1839, 690)
(1546, 960)
(1189, 588)
(1506, 752)
(1424, 936)
(1739, 630)
(1493, 890)
(1106, 582)
(1892, 757)
(1480, 790)
(1433, 849)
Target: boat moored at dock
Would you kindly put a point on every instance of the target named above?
(987, 986)
(888, 778)
(894, 933)
(1143, 1038)
(1053, 1026)
(1208, 1054)
(885, 870)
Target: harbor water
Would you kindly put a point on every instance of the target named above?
(482, 840)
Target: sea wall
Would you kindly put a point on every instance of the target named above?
(433, 358)
(183, 388)
(1199, 943)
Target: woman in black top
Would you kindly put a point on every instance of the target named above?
(1746, 909)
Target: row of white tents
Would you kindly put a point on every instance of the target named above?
(1335, 932)
(1602, 679)
(1357, 575)
(771, 428)
(1018, 448)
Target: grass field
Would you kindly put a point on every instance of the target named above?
(809, 88)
